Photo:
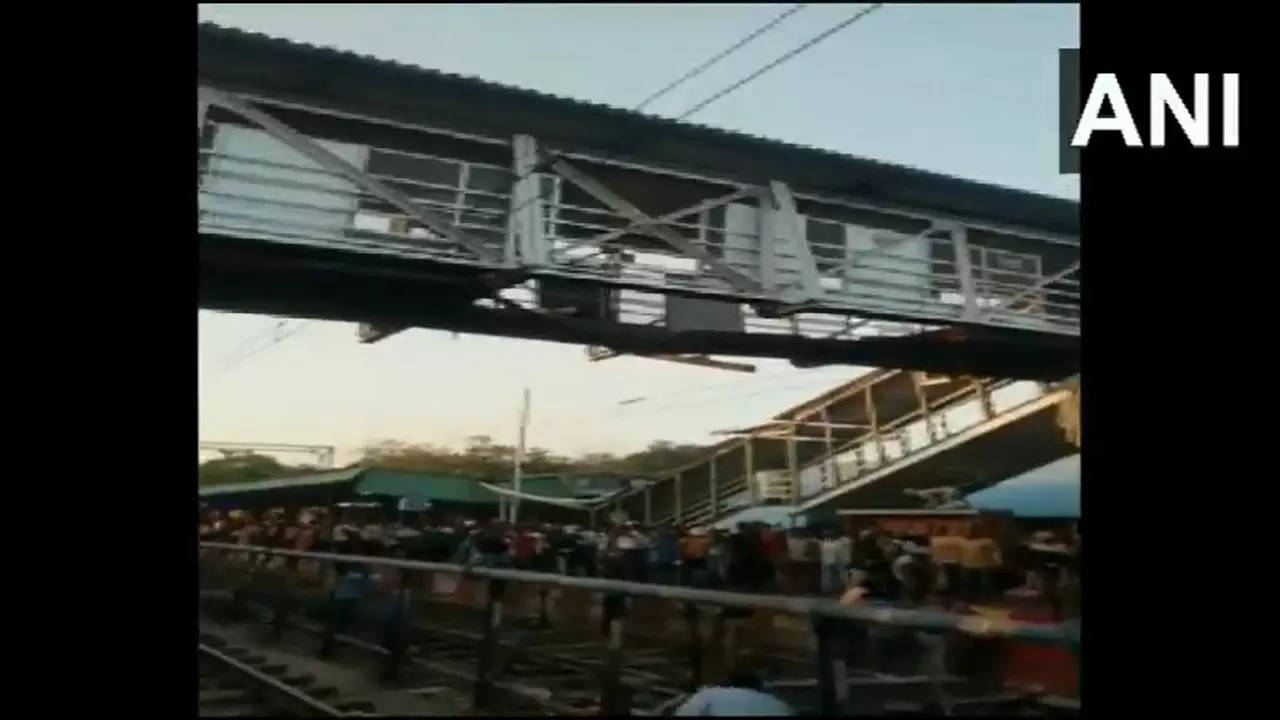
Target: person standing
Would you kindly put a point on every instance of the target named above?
(666, 555)
(796, 560)
(774, 543)
(836, 558)
(694, 547)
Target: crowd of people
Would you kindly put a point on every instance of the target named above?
(753, 557)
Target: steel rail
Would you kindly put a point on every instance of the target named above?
(295, 697)
(919, 619)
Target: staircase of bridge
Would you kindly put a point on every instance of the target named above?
(863, 443)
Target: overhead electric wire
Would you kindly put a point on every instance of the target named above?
(703, 67)
(723, 392)
(275, 340)
(254, 337)
(681, 80)
(785, 57)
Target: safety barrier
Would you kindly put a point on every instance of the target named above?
(826, 617)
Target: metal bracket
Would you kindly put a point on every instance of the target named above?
(318, 154)
(643, 224)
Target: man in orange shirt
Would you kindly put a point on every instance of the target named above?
(694, 546)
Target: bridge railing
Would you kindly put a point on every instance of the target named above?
(827, 618)
(253, 185)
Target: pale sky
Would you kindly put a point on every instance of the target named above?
(966, 90)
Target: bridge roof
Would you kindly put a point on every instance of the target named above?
(249, 62)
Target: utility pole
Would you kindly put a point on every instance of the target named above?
(524, 424)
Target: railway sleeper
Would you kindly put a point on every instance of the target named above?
(225, 697)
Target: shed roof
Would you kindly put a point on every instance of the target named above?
(437, 487)
(298, 481)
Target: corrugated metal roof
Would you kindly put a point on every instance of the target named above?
(431, 486)
(350, 81)
(324, 478)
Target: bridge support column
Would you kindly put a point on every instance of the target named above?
(679, 509)
(793, 466)
(984, 400)
(713, 496)
(878, 441)
(831, 461)
(753, 488)
(964, 268)
(525, 242)
(924, 406)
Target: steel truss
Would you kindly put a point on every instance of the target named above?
(857, 434)
(839, 269)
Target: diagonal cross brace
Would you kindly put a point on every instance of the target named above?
(691, 210)
(643, 226)
(322, 157)
(1042, 284)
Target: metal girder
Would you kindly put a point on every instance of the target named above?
(596, 353)
(644, 225)
(318, 154)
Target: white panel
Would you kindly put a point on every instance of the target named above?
(740, 237)
(328, 215)
(880, 267)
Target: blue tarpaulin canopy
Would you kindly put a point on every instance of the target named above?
(1051, 490)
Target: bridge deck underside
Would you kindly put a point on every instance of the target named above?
(242, 275)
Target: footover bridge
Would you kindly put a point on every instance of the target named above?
(864, 443)
(336, 186)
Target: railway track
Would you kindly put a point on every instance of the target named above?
(237, 681)
(536, 669)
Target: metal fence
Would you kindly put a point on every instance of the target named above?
(826, 616)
